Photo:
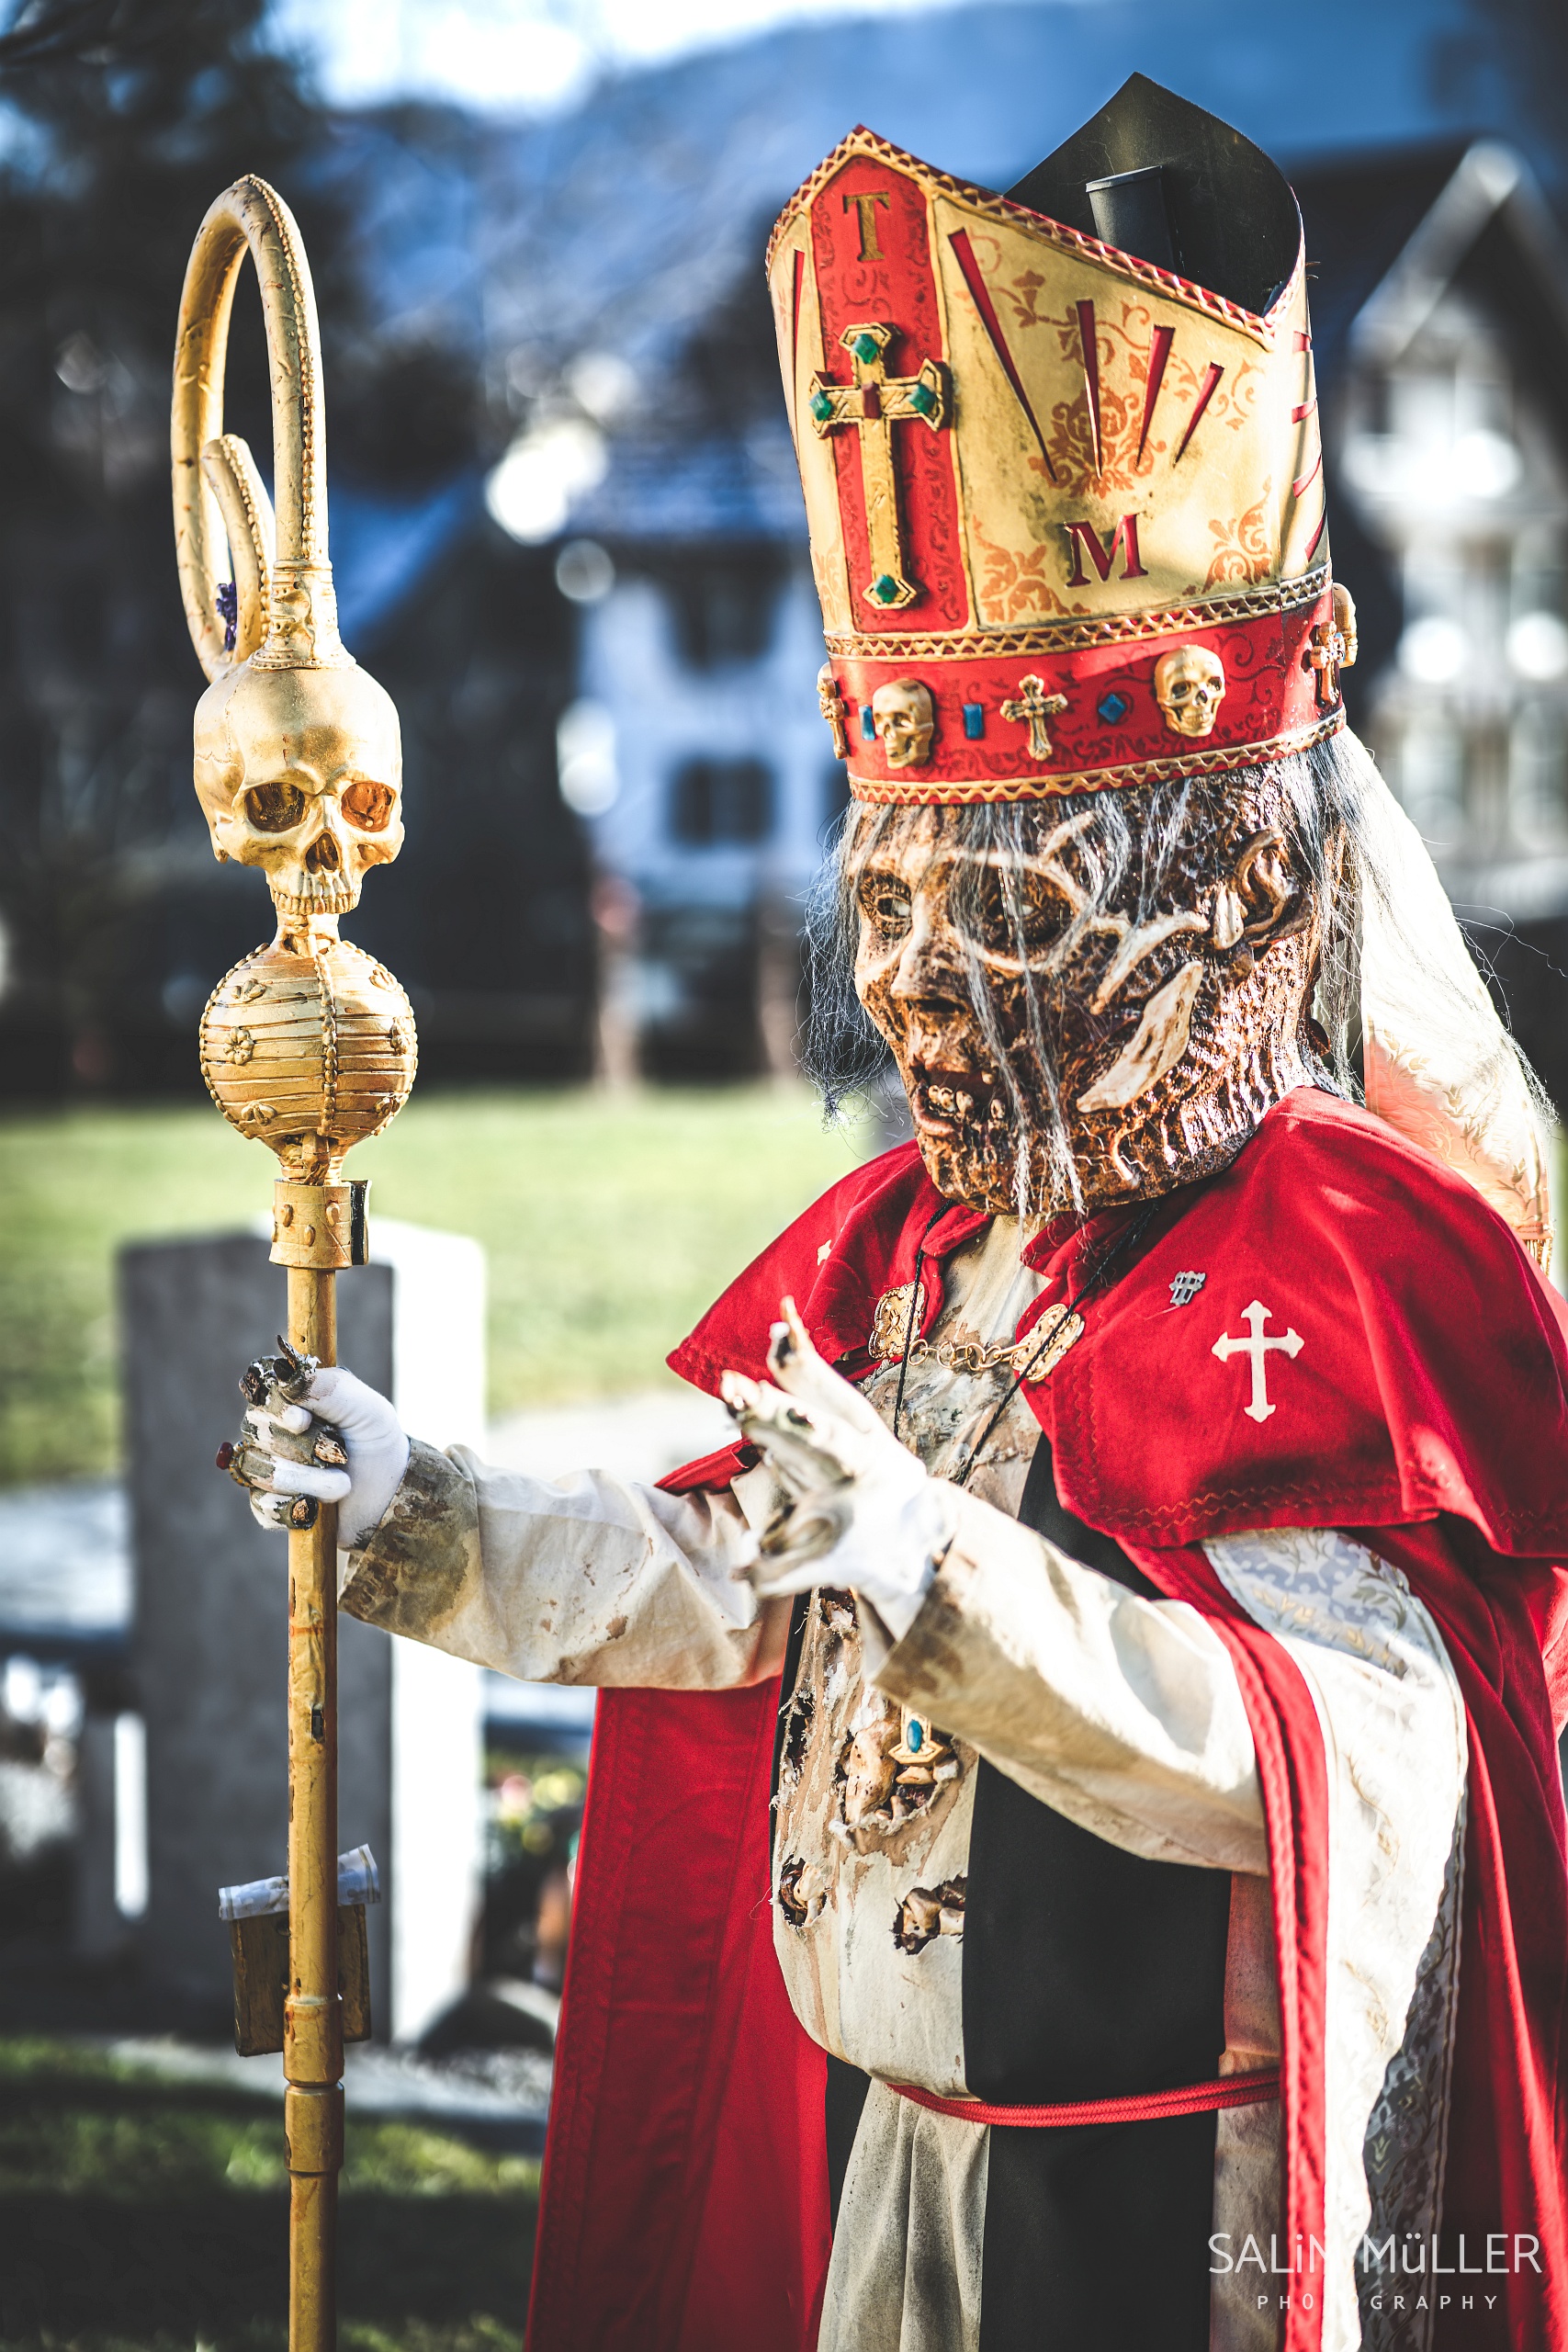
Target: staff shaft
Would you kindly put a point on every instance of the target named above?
(312, 2050)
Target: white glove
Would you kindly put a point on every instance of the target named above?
(334, 1440)
(865, 1513)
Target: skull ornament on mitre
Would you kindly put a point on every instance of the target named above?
(1189, 686)
(308, 1043)
(901, 713)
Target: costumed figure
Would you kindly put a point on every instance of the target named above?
(1075, 1851)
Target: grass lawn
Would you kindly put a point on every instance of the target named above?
(141, 2216)
(610, 1224)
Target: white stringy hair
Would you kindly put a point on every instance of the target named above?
(1335, 811)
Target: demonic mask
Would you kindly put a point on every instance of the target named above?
(301, 772)
(1122, 1038)
(905, 722)
(1189, 686)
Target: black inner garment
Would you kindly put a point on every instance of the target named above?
(1088, 1974)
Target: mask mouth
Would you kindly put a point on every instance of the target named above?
(950, 1103)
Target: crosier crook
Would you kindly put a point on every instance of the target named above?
(306, 1045)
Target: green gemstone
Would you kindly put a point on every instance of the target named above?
(866, 347)
(885, 590)
(821, 407)
(922, 400)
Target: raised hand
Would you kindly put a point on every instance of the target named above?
(863, 1510)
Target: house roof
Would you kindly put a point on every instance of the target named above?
(1359, 212)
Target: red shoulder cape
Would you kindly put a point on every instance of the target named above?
(684, 2200)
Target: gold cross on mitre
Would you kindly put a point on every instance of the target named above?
(1033, 707)
(876, 401)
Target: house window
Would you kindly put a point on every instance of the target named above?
(721, 801)
(724, 610)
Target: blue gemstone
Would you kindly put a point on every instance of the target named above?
(974, 720)
(867, 722)
(915, 1737)
(1113, 709)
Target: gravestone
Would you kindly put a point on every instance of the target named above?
(209, 1643)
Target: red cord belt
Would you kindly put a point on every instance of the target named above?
(1253, 2089)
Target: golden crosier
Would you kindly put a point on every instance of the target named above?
(308, 1043)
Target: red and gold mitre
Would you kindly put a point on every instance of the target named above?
(1073, 495)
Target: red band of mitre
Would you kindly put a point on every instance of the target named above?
(1281, 693)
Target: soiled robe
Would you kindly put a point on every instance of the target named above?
(1238, 1672)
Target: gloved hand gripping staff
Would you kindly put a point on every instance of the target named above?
(307, 1044)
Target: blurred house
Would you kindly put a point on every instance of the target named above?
(1440, 320)
(694, 749)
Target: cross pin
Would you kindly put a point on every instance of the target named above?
(831, 704)
(1257, 1348)
(876, 403)
(1032, 708)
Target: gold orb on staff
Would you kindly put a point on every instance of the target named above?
(307, 1044)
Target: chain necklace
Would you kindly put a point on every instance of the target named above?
(1038, 1360)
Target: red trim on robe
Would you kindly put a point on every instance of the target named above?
(1293, 1778)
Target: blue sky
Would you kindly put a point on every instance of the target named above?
(525, 55)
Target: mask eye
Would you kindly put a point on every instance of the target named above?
(1009, 911)
(275, 807)
(368, 806)
(884, 903)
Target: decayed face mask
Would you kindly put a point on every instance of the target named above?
(1060, 1045)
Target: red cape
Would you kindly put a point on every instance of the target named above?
(684, 2200)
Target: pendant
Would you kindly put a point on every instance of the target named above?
(1059, 1328)
(890, 1328)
